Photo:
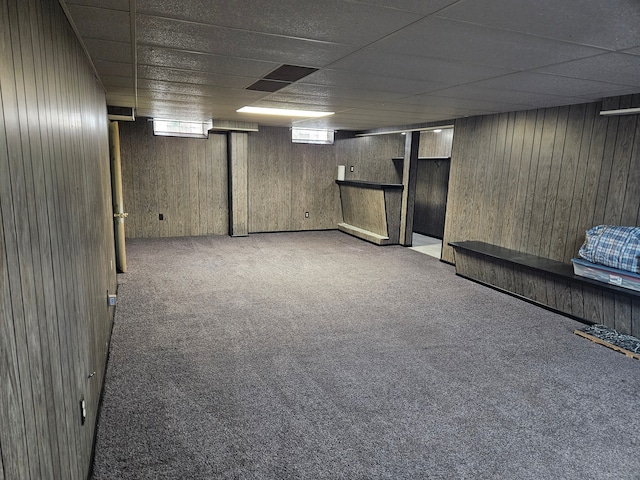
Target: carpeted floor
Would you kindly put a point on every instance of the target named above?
(319, 356)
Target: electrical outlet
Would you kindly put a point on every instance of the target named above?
(351, 168)
(306, 214)
(111, 299)
(83, 411)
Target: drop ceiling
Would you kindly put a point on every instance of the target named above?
(380, 63)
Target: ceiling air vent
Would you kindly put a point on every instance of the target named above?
(281, 77)
(120, 113)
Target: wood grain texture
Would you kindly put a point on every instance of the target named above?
(184, 179)
(432, 185)
(409, 178)
(535, 181)
(57, 252)
(393, 206)
(364, 208)
(370, 157)
(238, 184)
(434, 144)
(286, 180)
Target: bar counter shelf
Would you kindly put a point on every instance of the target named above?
(371, 210)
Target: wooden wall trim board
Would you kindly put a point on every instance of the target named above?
(56, 244)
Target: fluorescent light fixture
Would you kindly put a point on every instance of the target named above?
(283, 112)
(181, 128)
(437, 130)
(312, 135)
(622, 111)
(418, 129)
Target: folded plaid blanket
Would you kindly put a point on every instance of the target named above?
(613, 246)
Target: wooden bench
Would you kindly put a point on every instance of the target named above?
(549, 283)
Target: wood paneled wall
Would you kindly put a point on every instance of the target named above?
(237, 152)
(535, 181)
(187, 180)
(431, 197)
(286, 180)
(434, 144)
(56, 244)
(432, 183)
(371, 157)
(184, 179)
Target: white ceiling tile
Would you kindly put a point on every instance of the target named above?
(424, 7)
(113, 82)
(340, 92)
(496, 94)
(111, 4)
(118, 69)
(185, 76)
(611, 24)
(199, 90)
(326, 20)
(108, 51)
(203, 62)
(463, 58)
(121, 91)
(325, 101)
(102, 23)
(539, 83)
(412, 67)
(432, 100)
(475, 44)
(340, 78)
(610, 67)
(194, 37)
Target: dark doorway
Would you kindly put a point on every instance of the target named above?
(431, 196)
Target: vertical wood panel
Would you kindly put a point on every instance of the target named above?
(431, 197)
(56, 245)
(632, 190)
(635, 318)
(570, 169)
(13, 435)
(409, 175)
(185, 179)
(567, 180)
(606, 165)
(434, 144)
(286, 180)
(621, 167)
(238, 184)
(575, 228)
(623, 314)
(541, 198)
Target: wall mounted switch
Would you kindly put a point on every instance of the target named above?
(306, 214)
(83, 411)
(351, 168)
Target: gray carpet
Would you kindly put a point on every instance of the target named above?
(319, 356)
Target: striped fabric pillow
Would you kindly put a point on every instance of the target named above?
(613, 246)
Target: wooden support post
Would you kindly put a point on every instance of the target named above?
(238, 184)
(117, 198)
(409, 175)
